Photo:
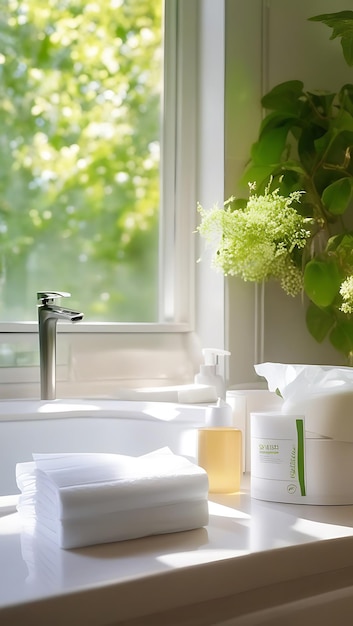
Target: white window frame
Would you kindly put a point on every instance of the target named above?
(193, 300)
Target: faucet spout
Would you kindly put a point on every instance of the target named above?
(48, 315)
(59, 313)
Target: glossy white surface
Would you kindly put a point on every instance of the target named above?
(248, 545)
(123, 427)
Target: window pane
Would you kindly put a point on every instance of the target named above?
(80, 94)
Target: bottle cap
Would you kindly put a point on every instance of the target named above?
(219, 415)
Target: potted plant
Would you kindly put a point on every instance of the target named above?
(297, 224)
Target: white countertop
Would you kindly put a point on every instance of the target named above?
(248, 545)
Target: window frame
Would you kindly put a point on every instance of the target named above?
(193, 169)
(175, 310)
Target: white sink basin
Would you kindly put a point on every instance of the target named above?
(123, 427)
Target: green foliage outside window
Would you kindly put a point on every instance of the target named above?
(80, 89)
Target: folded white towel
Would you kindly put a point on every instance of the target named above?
(123, 525)
(83, 499)
(52, 567)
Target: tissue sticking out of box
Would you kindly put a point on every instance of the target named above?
(323, 393)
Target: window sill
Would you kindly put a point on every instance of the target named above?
(97, 364)
(98, 327)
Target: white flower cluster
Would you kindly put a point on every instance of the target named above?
(346, 291)
(259, 241)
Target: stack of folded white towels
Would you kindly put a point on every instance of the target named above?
(85, 498)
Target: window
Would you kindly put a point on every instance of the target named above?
(81, 93)
(165, 350)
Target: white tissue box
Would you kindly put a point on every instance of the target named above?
(291, 463)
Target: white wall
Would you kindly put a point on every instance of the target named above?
(269, 42)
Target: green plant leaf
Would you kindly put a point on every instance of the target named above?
(277, 119)
(337, 241)
(319, 321)
(337, 196)
(341, 336)
(342, 247)
(306, 149)
(292, 166)
(340, 22)
(343, 122)
(284, 97)
(345, 97)
(238, 204)
(322, 101)
(337, 162)
(322, 143)
(269, 148)
(342, 26)
(347, 47)
(257, 174)
(322, 280)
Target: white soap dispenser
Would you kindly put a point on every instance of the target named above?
(208, 374)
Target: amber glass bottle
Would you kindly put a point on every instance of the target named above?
(220, 450)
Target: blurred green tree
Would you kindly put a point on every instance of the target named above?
(80, 91)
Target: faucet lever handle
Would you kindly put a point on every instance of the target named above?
(43, 297)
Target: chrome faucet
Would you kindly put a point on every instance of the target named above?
(48, 315)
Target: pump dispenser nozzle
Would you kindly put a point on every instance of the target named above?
(211, 355)
(208, 372)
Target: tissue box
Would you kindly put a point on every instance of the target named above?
(313, 432)
(290, 462)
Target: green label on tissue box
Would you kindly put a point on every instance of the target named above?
(300, 455)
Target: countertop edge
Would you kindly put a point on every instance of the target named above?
(175, 589)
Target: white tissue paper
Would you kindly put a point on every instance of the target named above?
(323, 393)
(84, 499)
